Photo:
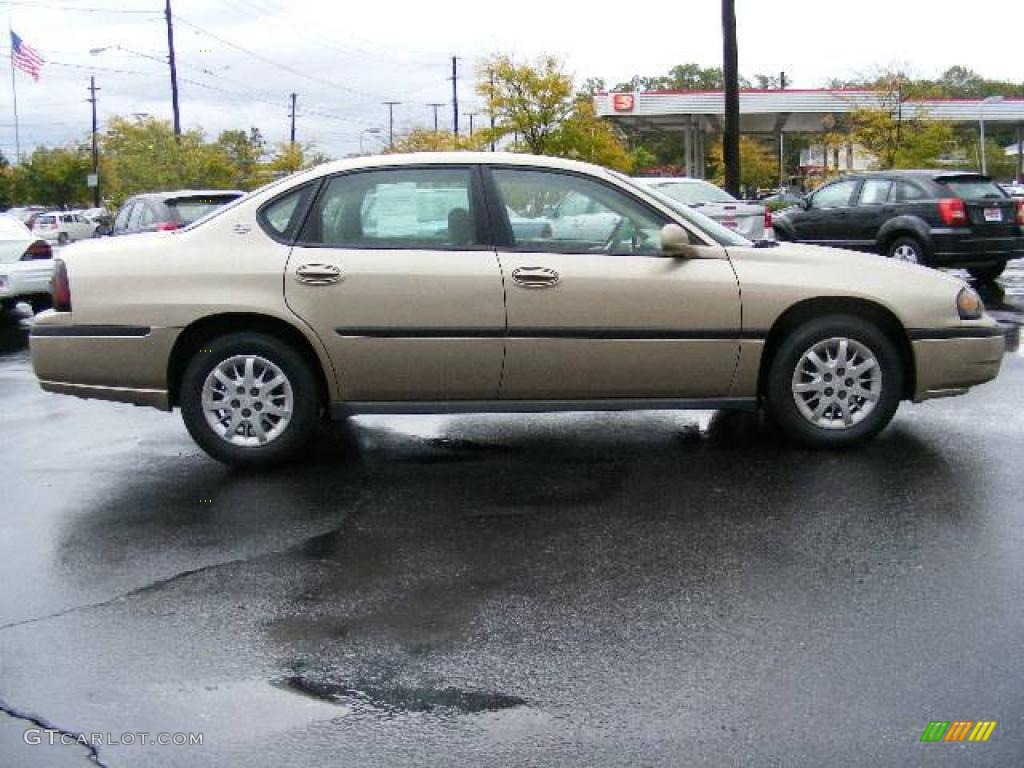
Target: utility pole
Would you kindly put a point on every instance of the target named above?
(455, 95)
(174, 69)
(436, 106)
(391, 122)
(471, 115)
(782, 81)
(730, 72)
(491, 109)
(95, 147)
(292, 116)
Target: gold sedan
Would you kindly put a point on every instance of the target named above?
(494, 282)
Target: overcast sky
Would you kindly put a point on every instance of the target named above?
(344, 58)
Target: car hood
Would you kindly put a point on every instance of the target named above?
(716, 210)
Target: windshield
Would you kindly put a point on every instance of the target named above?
(709, 227)
(692, 192)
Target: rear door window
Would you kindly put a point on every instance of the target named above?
(396, 208)
(874, 192)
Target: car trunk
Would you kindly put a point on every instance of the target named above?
(989, 211)
(742, 218)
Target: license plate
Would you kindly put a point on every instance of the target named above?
(730, 223)
(993, 214)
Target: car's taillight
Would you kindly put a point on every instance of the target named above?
(1020, 212)
(767, 218)
(40, 249)
(166, 226)
(952, 211)
(60, 288)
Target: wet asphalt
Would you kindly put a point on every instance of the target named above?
(649, 589)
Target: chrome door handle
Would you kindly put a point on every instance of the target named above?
(318, 274)
(535, 277)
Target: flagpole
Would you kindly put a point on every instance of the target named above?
(14, 93)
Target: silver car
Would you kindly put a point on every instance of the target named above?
(751, 220)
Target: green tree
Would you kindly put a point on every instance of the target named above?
(534, 104)
(759, 167)
(291, 158)
(245, 152)
(425, 140)
(53, 176)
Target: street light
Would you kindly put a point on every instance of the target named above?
(981, 128)
(365, 132)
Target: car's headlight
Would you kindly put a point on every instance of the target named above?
(969, 304)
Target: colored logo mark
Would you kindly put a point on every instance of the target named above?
(959, 730)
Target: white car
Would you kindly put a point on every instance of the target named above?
(63, 226)
(26, 264)
(579, 218)
(752, 220)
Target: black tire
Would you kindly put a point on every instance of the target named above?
(782, 401)
(988, 273)
(901, 244)
(62, 238)
(299, 375)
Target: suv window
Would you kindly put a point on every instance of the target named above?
(146, 217)
(905, 191)
(835, 195)
(133, 217)
(977, 188)
(121, 222)
(396, 208)
(609, 222)
(874, 192)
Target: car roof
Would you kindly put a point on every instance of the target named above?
(919, 173)
(187, 193)
(673, 179)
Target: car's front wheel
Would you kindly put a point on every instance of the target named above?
(62, 238)
(834, 381)
(249, 399)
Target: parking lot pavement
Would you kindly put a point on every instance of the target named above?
(584, 589)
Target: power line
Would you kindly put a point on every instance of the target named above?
(271, 62)
(77, 8)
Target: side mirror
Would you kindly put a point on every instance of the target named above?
(805, 203)
(675, 241)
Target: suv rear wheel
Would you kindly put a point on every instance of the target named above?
(249, 399)
(989, 273)
(834, 381)
(907, 249)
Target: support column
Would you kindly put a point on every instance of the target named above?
(1020, 153)
(849, 156)
(687, 150)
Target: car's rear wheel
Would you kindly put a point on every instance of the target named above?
(908, 249)
(249, 399)
(988, 273)
(834, 381)
(62, 238)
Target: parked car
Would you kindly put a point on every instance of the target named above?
(935, 218)
(63, 226)
(273, 311)
(1013, 190)
(26, 265)
(101, 218)
(25, 214)
(752, 220)
(158, 211)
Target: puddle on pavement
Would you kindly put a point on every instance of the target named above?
(399, 699)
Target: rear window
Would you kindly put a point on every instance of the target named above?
(188, 209)
(694, 192)
(45, 219)
(973, 188)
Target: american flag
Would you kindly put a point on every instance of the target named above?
(25, 58)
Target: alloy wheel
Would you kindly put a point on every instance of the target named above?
(837, 383)
(906, 252)
(247, 401)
